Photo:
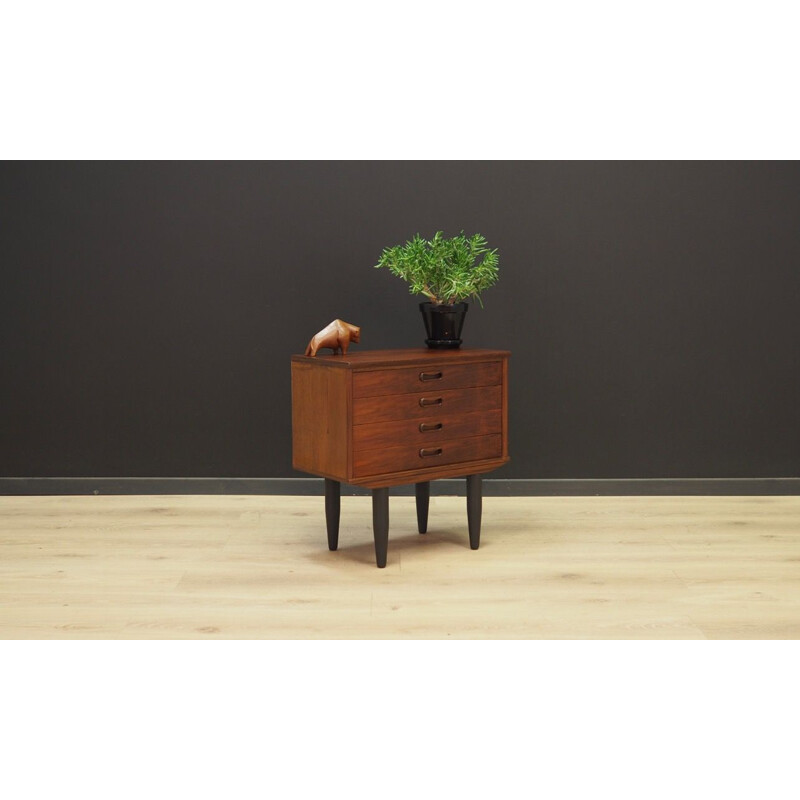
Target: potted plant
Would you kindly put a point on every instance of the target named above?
(447, 271)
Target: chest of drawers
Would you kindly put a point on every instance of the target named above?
(387, 417)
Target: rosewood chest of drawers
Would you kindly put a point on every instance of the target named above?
(387, 417)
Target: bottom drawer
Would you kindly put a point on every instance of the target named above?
(408, 457)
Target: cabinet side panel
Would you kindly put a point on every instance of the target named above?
(319, 420)
(505, 408)
(348, 432)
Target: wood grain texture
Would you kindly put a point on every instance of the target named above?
(367, 463)
(246, 567)
(369, 359)
(439, 375)
(439, 428)
(430, 473)
(410, 406)
(505, 408)
(333, 427)
(320, 421)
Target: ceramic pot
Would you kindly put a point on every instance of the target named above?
(443, 324)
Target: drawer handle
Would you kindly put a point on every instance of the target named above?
(430, 426)
(428, 401)
(437, 451)
(430, 376)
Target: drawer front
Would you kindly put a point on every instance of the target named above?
(412, 457)
(427, 378)
(426, 405)
(421, 433)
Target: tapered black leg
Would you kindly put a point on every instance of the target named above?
(474, 509)
(380, 524)
(332, 506)
(423, 500)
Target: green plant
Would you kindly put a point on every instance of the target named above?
(444, 270)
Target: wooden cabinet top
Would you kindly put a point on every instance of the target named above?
(369, 359)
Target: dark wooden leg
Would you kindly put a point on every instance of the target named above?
(380, 524)
(423, 500)
(332, 505)
(474, 508)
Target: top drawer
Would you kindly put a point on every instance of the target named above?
(417, 379)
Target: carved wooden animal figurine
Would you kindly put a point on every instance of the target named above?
(337, 336)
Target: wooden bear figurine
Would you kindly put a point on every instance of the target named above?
(337, 336)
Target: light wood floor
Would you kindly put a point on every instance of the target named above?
(258, 567)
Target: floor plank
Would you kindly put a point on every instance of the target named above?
(193, 567)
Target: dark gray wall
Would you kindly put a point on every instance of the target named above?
(148, 310)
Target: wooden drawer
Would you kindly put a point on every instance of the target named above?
(412, 457)
(426, 405)
(423, 433)
(426, 378)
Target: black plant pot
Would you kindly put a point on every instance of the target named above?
(443, 324)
